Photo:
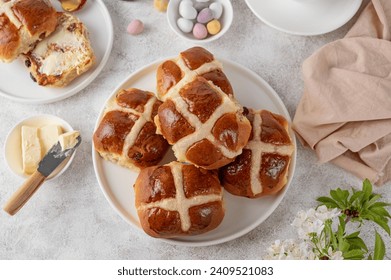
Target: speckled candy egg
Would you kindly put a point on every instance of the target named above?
(200, 31)
(186, 10)
(135, 27)
(185, 25)
(217, 9)
(205, 15)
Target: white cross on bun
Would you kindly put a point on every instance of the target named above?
(262, 168)
(205, 124)
(178, 199)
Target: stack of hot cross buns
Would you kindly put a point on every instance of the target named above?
(217, 142)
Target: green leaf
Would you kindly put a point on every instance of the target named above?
(357, 243)
(355, 199)
(353, 235)
(372, 200)
(369, 257)
(379, 204)
(356, 254)
(327, 201)
(354, 196)
(367, 189)
(337, 199)
(343, 195)
(383, 223)
(343, 245)
(380, 249)
(380, 211)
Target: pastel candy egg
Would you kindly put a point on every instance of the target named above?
(186, 10)
(213, 27)
(186, 2)
(161, 5)
(199, 31)
(217, 9)
(202, 0)
(200, 5)
(205, 15)
(135, 27)
(185, 25)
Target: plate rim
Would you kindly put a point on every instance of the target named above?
(304, 33)
(175, 241)
(98, 69)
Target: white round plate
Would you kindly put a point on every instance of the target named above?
(242, 214)
(305, 17)
(15, 81)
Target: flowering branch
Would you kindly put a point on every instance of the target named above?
(321, 238)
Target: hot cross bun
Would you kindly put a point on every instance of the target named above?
(178, 199)
(22, 24)
(199, 116)
(262, 168)
(127, 134)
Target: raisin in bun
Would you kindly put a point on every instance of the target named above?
(199, 115)
(262, 168)
(126, 134)
(23, 23)
(178, 199)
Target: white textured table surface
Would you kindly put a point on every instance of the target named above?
(69, 218)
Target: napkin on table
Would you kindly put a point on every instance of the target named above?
(345, 112)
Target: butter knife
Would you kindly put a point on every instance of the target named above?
(54, 157)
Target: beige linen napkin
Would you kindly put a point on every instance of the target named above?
(345, 111)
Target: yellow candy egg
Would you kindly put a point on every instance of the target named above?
(213, 27)
(161, 5)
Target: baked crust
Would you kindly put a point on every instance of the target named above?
(200, 116)
(171, 202)
(23, 23)
(262, 169)
(126, 135)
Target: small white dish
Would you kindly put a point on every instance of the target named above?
(225, 20)
(308, 18)
(13, 149)
(15, 81)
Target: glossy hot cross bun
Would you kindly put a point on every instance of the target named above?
(178, 199)
(191, 63)
(199, 116)
(127, 134)
(22, 24)
(262, 168)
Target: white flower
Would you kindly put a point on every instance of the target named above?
(309, 225)
(312, 221)
(323, 214)
(290, 250)
(337, 255)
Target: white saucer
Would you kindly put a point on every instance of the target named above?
(300, 17)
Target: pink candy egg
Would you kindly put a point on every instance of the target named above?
(200, 31)
(135, 27)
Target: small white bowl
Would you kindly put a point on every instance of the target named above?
(225, 20)
(13, 149)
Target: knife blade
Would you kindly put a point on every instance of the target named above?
(53, 158)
